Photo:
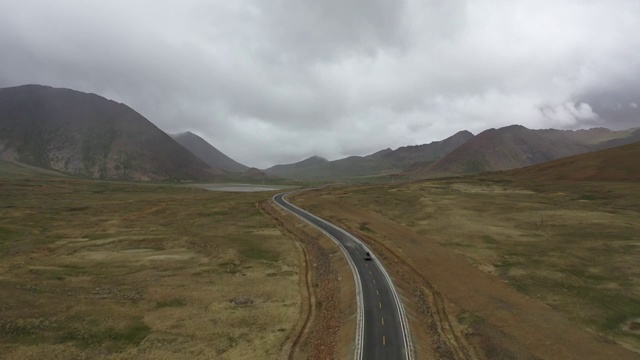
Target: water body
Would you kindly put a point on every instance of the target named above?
(243, 187)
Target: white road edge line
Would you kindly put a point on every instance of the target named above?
(359, 341)
(408, 343)
(404, 322)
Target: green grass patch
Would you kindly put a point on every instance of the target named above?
(175, 302)
(364, 227)
(253, 249)
(488, 239)
(587, 197)
(468, 318)
(6, 232)
(106, 336)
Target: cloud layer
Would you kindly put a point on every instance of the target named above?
(274, 82)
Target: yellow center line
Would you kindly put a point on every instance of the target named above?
(384, 340)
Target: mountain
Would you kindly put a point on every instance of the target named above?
(88, 135)
(257, 174)
(207, 153)
(515, 146)
(289, 170)
(408, 155)
(382, 162)
(614, 164)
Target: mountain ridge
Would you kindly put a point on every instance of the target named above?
(516, 146)
(619, 163)
(207, 152)
(384, 161)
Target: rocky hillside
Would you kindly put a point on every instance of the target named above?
(408, 155)
(207, 153)
(88, 135)
(614, 164)
(515, 146)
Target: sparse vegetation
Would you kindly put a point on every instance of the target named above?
(571, 245)
(175, 302)
(92, 269)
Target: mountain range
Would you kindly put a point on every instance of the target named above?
(515, 146)
(506, 148)
(385, 161)
(87, 135)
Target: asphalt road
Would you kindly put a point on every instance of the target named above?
(382, 331)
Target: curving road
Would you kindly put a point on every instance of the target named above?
(382, 330)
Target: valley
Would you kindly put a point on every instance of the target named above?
(320, 180)
(128, 271)
(120, 241)
(533, 263)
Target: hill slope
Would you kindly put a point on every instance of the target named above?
(88, 135)
(207, 153)
(515, 146)
(614, 164)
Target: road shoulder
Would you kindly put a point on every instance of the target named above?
(328, 318)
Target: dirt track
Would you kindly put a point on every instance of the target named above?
(327, 313)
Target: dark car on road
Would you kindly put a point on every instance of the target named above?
(366, 256)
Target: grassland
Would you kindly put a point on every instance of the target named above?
(573, 246)
(121, 271)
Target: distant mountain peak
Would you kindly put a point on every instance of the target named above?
(380, 153)
(309, 162)
(312, 160)
(463, 133)
(207, 152)
(514, 127)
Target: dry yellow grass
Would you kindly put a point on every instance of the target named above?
(572, 246)
(101, 270)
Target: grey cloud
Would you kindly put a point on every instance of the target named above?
(619, 108)
(312, 31)
(569, 113)
(273, 82)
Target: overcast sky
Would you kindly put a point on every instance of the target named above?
(276, 81)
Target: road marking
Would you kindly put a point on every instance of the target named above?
(374, 281)
(382, 319)
(370, 273)
(377, 293)
(384, 340)
(321, 224)
(380, 305)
